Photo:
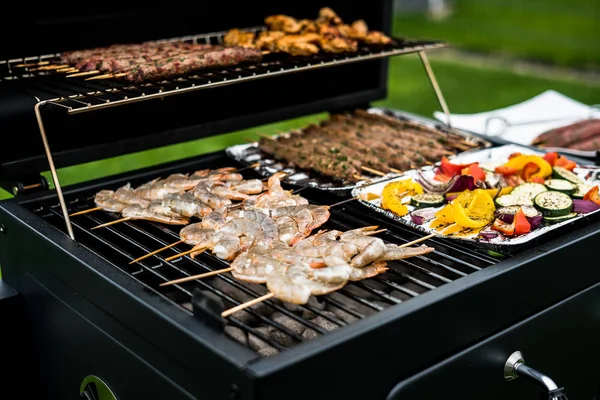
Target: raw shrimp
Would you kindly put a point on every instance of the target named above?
(195, 233)
(105, 199)
(369, 253)
(393, 252)
(255, 265)
(250, 186)
(220, 174)
(156, 191)
(269, 228)
(136, 211)
(288, 229)
(202, 192)
(307, 217)
(126, 195)
(275, 196)
(296, 283)
(179, 181)
(358, 236)
(157, 207)
(368, 271)
(187, 205)
(243, 227)
(216, 218)
(227, 193)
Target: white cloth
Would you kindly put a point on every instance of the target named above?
(523, 122)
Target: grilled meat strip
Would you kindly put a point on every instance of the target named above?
(124, 61)
(217, 56)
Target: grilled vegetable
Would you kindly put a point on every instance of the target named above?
(508, 200)
(561, 185)
(422, 215)
(592, 195)
(553, 204)
(492, 192)
(563, 173)
(394, 192)
(427, 200)
(584, 206)
(555, 220)
(581, 190)
(529, 190)
(507, 214)
(519, 162)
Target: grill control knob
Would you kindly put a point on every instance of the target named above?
(94, 388)
(515, 367)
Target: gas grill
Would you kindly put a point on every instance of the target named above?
(449, 323)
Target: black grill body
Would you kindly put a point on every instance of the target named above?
(93, 317)
(435, 326)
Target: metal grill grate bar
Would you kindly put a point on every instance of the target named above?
(121, 243)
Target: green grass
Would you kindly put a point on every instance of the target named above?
(467, 90)
(557, 31)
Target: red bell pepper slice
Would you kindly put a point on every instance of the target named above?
(564, 162)
(521, 223)
(503, 170)
(450, 169)
(513, 155)
(441, 177)
(529, 170)
(551, 157)
(475, 171)
(592, 195)
(503, 227)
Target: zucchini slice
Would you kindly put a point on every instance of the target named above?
(555, 220)
(561, 185)
(581, 190)
(529, 211)
(507, 200)
(553, 204)
(563, 173)
(529, 190)
(427, 200)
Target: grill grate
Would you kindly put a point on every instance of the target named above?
(271, 326)
(78, 95)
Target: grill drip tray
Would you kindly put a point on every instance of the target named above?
(271, 326)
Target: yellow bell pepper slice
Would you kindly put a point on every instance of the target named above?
(519, 162)
(491, 192)
(445, 214)
(394, 192)
(482, 206)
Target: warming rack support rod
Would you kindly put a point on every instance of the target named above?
(61, 198)
(436, 87)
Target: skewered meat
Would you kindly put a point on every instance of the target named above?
(215, 57)
(342, 145)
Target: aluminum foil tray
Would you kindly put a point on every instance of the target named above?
(250, 153)
(495, 155)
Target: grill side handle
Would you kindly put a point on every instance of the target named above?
(515, 367)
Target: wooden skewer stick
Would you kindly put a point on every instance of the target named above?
(51, 67)
(255, 165)
(194, 277)
(374, 232)
(396, 171)
(67, 70)
(107, 76)
(85, 73)
(112, 223)
(185, 253)
(85, 211)
(371, 170)
(344, 201)
(156, 251)
(32, 64)
(424, 238)
(247, 304)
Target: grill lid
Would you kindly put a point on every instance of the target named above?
(102, 133)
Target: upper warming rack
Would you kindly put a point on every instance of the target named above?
(82, 94)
